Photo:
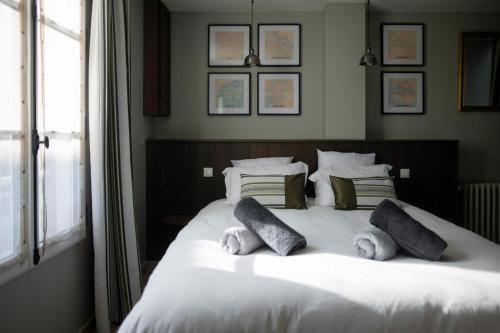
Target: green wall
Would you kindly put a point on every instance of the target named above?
(479, 133)
(332, 104)
(344, 87)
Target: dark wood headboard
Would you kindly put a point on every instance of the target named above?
(177, 190)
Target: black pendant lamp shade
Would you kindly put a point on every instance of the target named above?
(368, 59)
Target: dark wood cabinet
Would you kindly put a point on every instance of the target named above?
(156, 80)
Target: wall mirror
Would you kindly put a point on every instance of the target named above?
(479, 72)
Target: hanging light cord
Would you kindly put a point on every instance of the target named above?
(367, 24)
(252, 13)
(251, 39)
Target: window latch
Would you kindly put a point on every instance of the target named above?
(36, 142)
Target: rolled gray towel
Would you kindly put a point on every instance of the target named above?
(375, 244)
(277, 235)
(410, 234)
(240, 240)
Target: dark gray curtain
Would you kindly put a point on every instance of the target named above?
(117, 271)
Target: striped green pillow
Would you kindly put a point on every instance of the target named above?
(368, 191)
(275, 191)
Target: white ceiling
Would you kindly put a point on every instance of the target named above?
(314, 5)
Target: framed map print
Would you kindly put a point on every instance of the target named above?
(402, 93)
(228, 94)
(228, 45)
(402, 44)
(279, 93)
(279, 44)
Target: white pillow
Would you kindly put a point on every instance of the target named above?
(266, 161)
(328, 159)
(323, 186)
(233, 176)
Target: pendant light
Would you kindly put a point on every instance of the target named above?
(252, 59)
(368, 59)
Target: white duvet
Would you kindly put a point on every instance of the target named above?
(197, 287)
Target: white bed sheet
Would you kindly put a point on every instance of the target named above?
(197, 287)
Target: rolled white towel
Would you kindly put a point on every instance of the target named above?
(240, 240)
(375, 244)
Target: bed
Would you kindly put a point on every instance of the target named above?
(197, 287)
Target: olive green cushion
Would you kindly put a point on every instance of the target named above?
(345, 193)
(295, 191)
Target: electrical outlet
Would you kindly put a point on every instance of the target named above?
(404, 173)
(208, 172)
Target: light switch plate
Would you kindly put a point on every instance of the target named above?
(404, 173)
(208, 172)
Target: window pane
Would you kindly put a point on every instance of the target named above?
(62, 186)
(10, 203)
(61, 86)
(10, 68)
(11, 107)
(64, 12)
(59, 117)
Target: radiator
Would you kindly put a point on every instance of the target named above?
(481, 203)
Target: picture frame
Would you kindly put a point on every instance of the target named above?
(403, 93)
(280, 44)
(279, 93)
(229, 93)
(228, 44)
(402, 44)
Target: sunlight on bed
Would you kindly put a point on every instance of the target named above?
(203, 254)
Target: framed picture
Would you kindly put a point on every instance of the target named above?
(402, 44)
(279, 93)
(229, 94)
(279, 44)
(228, 45)
(403, 93)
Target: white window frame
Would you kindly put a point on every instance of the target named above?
(24, 262)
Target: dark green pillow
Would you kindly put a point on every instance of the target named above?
(345, 193)
(295, 191)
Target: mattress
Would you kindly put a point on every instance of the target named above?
(197, 287)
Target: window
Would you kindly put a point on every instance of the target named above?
(60, 54)
(12, 133)
(42, 193)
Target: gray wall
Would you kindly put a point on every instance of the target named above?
(479, 133)
(322, 34)
(55, 296)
